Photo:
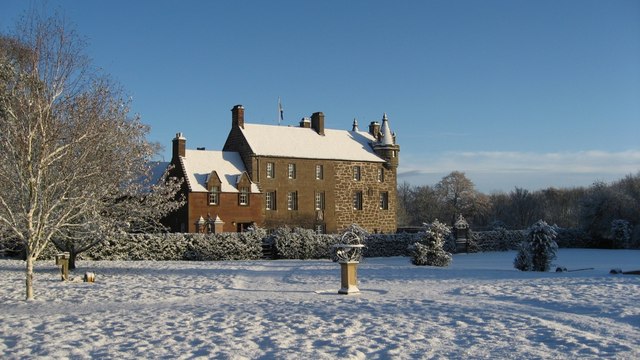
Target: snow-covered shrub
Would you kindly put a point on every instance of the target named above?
(573, 238)
(621, 233)
(472, 245)
(431, 251)
(539, 249)
(497, 240)
(385, 245)
(299, 243)
(179, 246)
(523, 261)
(226, 246)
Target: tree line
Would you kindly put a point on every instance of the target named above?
(603, 210)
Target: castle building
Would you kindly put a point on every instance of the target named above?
(306, 176)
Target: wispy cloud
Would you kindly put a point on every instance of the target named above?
(526, 169)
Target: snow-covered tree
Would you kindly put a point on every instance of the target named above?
(136, 208)
(538, 250)
(431, 251)
(70, 154)
(621, 233)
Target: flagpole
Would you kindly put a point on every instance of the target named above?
(280, 111)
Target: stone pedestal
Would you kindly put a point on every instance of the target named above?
(349, 278)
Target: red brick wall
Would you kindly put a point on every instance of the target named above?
(228, 210)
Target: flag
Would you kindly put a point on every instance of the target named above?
(280, 110)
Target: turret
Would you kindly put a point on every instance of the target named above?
(386, 146)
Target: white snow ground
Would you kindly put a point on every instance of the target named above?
(479, 307)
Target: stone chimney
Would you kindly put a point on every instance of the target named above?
(179, 147)
(237, 116)
(374, 129)
(317, 122)
(305, 123)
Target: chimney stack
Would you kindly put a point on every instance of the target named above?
(305, 123)
(237, 116)
(317, 122)
(374, 129)
(179, 146)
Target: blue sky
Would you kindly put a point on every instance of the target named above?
(513, 93)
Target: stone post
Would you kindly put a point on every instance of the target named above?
(218, 225)
(462, 234)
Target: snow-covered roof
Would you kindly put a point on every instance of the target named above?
(306, 143)
(198, 165)
(387, 137)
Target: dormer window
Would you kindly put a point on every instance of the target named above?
(214, 195)
(243, 196)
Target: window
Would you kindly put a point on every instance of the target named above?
(271, 173)
(270, 200)
(214, 195)
(380, 175)
(356, 173)
(384, 200)
(319, 172)
(292, 171)
(292, 200)
(320, 229)
(357, 200)
(243, 197)
(319, 200)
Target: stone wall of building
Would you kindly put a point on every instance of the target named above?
(305, 185)
(371, 217)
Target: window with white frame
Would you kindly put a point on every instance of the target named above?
(357, 200)
(270, 200)
(320, 229)
(214, 195)
(380, 174)
(271, 170)
(292, 171)
(356, 173)
(292, 200)
(319, 201)
(243, 196)
(319, 172)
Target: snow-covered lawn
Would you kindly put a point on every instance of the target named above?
(479, 307)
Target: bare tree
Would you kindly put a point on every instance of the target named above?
(69, 151)
(458, 196)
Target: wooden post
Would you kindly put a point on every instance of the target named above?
(62, 260)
